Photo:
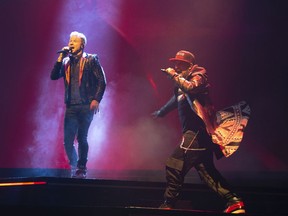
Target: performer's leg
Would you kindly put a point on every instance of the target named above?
(178, 165)
(85, 119)
(211, 176)
(70, 129)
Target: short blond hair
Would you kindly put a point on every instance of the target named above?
(80, 35)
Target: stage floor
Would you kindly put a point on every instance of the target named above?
(49, 195)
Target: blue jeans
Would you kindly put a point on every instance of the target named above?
(77, 121)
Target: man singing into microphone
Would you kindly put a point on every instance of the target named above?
(85, 84)
(195, 149)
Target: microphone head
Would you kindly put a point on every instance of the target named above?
(65, 51)
(62, 51)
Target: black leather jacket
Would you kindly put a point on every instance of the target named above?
(93, 80)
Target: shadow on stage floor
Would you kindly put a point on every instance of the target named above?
(60, 195)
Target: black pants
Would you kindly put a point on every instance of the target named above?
(77, 121)
(194, 151)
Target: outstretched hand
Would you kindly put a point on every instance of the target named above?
(156, 114)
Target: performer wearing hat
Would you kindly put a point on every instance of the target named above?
(196, 149)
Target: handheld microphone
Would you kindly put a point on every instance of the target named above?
(65, 51)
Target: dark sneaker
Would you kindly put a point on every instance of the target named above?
(72, 171)
(235, 208)
(80, 173)
(166, 205)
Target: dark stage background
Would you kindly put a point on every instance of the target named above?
(242, 44)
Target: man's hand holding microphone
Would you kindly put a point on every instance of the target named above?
(63, 53)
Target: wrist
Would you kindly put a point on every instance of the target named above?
(174, 75)
(60, 59)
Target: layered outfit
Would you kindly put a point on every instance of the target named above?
(199, 121)
(84, 81)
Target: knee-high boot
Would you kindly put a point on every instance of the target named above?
(215, 181)
(175, 179)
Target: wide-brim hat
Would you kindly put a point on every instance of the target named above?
(184, 56)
